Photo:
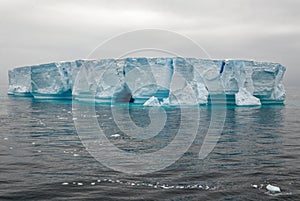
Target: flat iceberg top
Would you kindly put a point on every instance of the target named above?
(141, 80)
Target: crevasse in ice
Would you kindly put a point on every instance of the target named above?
(167, 81)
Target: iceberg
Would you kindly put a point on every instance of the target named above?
(152, 81)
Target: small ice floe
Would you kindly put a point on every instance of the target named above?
(115, 135)
(167, 187)
(33, 143)
(42, 123)
(75, 155)
(80, 184)
(62, 118)
(74, 119)
(254, 186)
(273, 189)
(11, 148)
(93, 183)
(65, 183)
(5, 138)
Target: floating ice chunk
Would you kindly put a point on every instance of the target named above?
(167, 187)
(245, 98)
(166, 101)
(115, 135)
(153, 101)
(65, 183)
(273, 189)
(254, 186)
(80, 184)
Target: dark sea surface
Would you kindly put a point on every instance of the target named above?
(43, 158)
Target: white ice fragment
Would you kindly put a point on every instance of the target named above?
(75, 155)
(254, 186)
(65, 183)
(115, 135)
(93, 183)
(5, 138)
(153, 101)
(167, 187)
(33, 143)
(80, 184)
(245, 98)
(166, 101)
(273, 189)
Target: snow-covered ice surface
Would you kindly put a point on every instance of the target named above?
(172, 81)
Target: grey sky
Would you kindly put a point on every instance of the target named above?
(35, 31)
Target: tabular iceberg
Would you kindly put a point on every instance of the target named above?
(170, 81)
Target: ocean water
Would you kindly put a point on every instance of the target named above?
(43, 158)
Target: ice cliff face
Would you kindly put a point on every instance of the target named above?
(170, 81)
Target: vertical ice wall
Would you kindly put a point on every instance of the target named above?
(170, 80)
(20, 81)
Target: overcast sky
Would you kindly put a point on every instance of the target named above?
(36, 31)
